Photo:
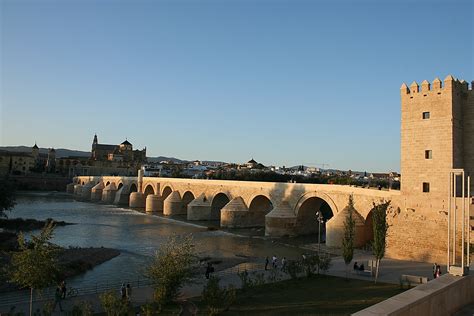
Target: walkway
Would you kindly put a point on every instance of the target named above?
(390, 272)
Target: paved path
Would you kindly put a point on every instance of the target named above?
(390, 272)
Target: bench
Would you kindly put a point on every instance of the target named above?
(409, 280)
(369, 268)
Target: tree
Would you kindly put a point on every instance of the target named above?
(7, 196)
(171, 268)
(35, 265)
(113, 304)
(349, 232)
(216, 298)
(380, 226)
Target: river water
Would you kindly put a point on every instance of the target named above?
(136, 235)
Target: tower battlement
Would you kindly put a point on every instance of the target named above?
(437, 87)
(437, 134)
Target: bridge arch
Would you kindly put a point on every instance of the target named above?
(148, 190)
(167, 189)
(217, 203)
(305, 211)
(188, 196)
(108, 182)
(260, 203)
(133, 188)
(120, 185)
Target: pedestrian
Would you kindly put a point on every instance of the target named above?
(63, 289)
(267, 261)
(435, 266)
(123, 293)
(212, 268)
(283, 263)
(57, 299)
(438, 271)
(128, 292)
(208, 270)
(274, 262)
(356, 267)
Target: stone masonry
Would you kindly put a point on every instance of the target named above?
(437, 135)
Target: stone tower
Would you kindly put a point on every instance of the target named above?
(95, 141)
(51, 161)
(437, 135)
(35, 151)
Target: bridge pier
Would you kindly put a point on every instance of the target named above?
(173, 205)
(199, 209)
(154, 203)
(96, 192)
(108, 194)
(335, 229)
(137, 200)
(122, 196)
(70, 188)
(281, 221)
(235, 214)
(77, 190)
(86, 191)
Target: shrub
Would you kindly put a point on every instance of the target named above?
(217, 299)
(112, 304)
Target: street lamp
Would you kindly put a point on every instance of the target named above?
(320, 219)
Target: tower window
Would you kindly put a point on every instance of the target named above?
(426, 187)
(428, 154)
(426, 115)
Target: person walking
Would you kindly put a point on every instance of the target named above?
(128, 293)
(208, 270)
(438, 271)
(57, 299)
(283, 263)
(123, 293)
(63, 289)
(267, 261)
(274, 262)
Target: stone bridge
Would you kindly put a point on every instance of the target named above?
(282, 208)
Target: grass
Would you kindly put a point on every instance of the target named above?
(319, 295)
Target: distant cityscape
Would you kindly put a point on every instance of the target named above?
(123, 160)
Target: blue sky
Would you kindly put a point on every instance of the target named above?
(284, 82)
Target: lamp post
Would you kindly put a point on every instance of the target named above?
(320, 219)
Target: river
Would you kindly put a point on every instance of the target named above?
(136, 235)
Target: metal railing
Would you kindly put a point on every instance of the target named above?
(19, 297)
(22, 297)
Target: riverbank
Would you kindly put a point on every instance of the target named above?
(28, 224)
(72, 262)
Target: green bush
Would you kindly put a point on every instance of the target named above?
(293, 268)
(217, 299)
(112, 304)
(245, 279)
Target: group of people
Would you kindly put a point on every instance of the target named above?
(126, 292)
(358, 267)
(275, 262)
(436, 270)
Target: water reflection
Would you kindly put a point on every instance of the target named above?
(135, 234)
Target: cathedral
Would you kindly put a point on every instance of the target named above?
(117, 153)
